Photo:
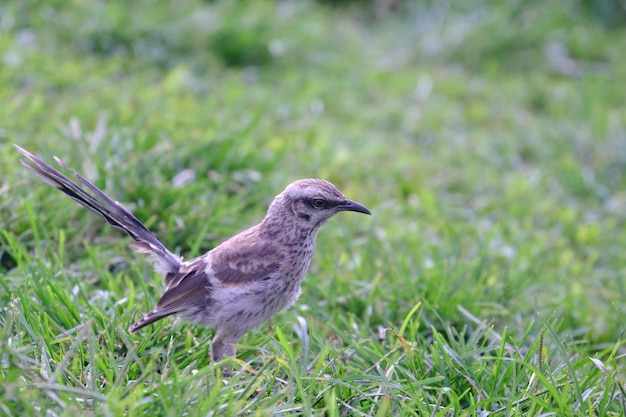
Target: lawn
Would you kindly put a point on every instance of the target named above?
(488, 138)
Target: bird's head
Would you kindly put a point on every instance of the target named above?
(314, 201)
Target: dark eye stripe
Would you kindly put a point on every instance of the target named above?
(327, 204)
(316, 203)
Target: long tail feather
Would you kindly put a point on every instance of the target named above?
(113, 212)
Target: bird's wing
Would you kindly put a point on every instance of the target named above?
(244, 262)
(235, 264)
(191, 292)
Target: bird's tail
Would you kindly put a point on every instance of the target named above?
(113, 212)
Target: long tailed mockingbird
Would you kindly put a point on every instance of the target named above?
(237, 285)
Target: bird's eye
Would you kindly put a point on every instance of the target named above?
(319, 203)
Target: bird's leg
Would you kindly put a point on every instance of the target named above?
(221, 348)
(218, 349)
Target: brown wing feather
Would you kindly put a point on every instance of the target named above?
(249, 263)
(190, 294)
(241, 261)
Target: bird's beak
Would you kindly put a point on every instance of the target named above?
(350, 205)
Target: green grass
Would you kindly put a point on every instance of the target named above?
(489, 280)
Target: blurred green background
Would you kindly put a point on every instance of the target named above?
(487, 137)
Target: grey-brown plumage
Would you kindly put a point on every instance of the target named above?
(242, 282)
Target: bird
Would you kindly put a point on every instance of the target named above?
(237, 285)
